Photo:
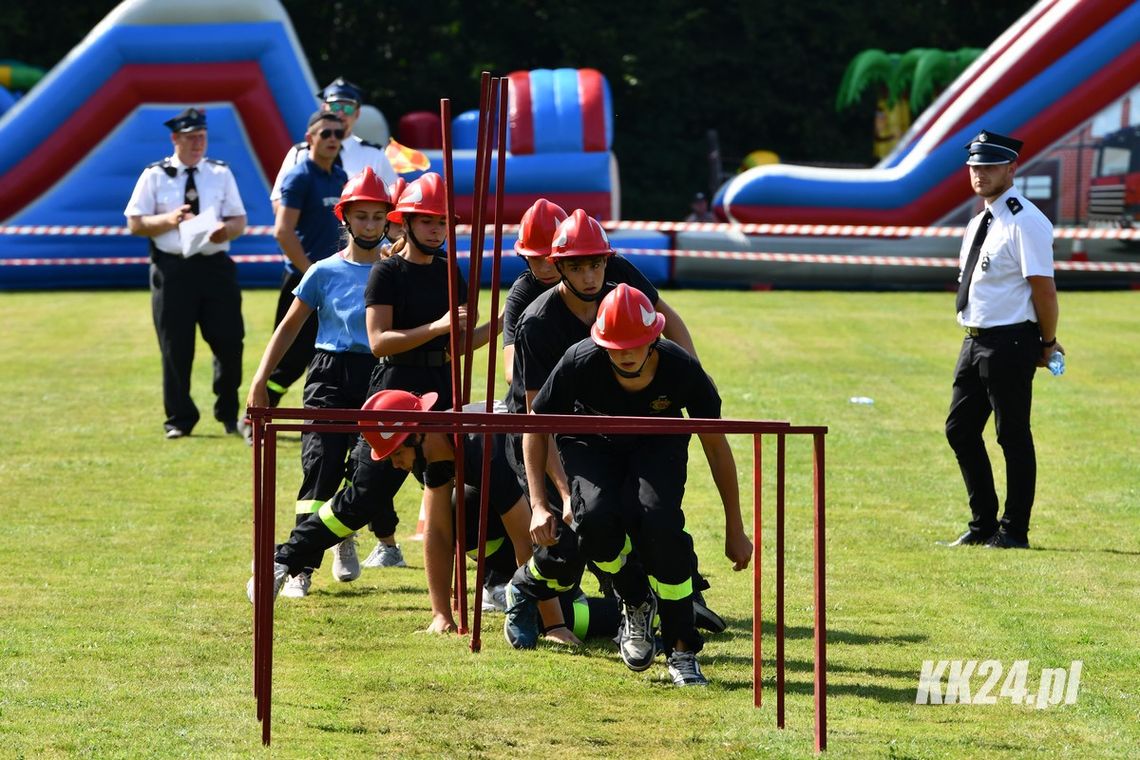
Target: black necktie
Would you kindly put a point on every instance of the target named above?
(191, 190)
(972, 260)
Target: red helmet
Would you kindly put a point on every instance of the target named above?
(537, 228)
(365, 186)
(425, 195)
(384, 443)
(396, 189)
(580, 235)
(626, 319)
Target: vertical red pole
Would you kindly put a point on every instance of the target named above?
(459, 588)
(478, 215)
(780, 441)
(257, 422)
(757, 610)
(265, 580)
(492, 347)
(820, 632)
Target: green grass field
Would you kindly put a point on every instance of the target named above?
(125, 630)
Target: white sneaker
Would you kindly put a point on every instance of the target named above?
(685, 670)
(637, 643)
(280, 576)
(298, 586)
(495, 598)
(385, 555)
(346, 565)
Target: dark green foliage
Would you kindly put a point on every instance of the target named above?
(764, 74)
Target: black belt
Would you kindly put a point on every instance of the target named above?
(977, 332)
(418, 359)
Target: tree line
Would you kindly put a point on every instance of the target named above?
(762, 74)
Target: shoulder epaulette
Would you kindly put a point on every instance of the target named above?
(301, 146)
(377, 146)
(165, 165)
(1014, 205)
(216, 162)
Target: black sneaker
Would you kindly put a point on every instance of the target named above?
(521, 625)
(635, 637)
(685, 670)
(1002, 540)
(970, 538)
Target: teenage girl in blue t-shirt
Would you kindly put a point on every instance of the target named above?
(339, 372)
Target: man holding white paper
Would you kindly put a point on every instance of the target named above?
(189, 207)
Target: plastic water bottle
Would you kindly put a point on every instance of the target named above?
(1057, 363)
(864, 400)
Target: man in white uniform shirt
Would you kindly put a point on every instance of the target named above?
(345, 100)
(1007, 302)
(199, 288)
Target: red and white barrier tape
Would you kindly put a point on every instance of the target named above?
(800, 230)
(834, 259)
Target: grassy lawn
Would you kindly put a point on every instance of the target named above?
(125, 630)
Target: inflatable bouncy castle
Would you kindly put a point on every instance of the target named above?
(72, 148)
(1060, 64)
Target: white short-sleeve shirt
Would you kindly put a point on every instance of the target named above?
(355, 154)
(1019, 244)
(162, 188)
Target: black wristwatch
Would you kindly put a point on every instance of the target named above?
(1049, 343)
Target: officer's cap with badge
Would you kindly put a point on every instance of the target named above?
(341, 89)
(990, 148)
(190, 120)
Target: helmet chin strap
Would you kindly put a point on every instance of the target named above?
(368, 245)
(637, 372)
(587, 297)
(438, 250)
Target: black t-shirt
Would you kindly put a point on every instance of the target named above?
(583, 382)
(417, 294)
(547, 328)
(505, 489)
(526, 288)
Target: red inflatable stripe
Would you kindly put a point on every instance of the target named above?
(591, 94)
(520, 118)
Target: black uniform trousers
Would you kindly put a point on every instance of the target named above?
(297, 358)
(186, 293)
(335, 381)
(626, 493)
(370, 496)
(995, 374)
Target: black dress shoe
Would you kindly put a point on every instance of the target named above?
(970, 538)
(1002, 540)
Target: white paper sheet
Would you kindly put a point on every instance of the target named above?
(195, 233)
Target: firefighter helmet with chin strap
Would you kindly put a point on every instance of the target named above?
(364, 186)
(424, 195)
(537, 228)
(626, 319)
(580, 235)
(383, 443)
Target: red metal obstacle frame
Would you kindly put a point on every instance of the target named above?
(265, 432)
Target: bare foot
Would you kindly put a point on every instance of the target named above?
(562, 635)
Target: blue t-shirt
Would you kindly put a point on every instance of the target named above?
(334, 288)
(313, 191)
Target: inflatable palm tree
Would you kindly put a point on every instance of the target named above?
(904, 83)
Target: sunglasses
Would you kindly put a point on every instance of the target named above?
(325, 134)
(348, 109)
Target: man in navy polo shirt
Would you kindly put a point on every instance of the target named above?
(307, 231)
